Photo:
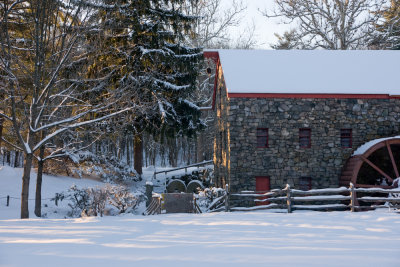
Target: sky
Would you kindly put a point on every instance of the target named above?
(265, 28)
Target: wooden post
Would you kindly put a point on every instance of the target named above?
(8, 201)
(353, 197)
(56, 199)
(149, 193)
(227, 198)
(288, 199)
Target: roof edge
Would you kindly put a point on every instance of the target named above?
(299, 95)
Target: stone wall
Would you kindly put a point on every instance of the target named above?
(284, 161)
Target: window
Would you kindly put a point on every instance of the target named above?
(305, 183)
(262, 137)
(305, 137)
(346, 138)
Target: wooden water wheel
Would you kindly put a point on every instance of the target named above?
(374, 164)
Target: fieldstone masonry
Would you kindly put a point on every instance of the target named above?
(238, 160)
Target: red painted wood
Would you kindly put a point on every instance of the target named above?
(262, 184)
(336, 96)
(396, 171)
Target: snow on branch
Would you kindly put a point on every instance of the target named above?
(78, 124)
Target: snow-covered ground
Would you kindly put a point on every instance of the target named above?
(215, 239)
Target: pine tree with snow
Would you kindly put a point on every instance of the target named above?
(141, 48)
(388, 36)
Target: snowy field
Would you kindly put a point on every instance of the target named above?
(217, 239)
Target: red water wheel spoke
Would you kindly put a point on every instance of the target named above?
(377, 168)
(396, 171)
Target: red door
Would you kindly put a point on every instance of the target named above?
(262, 185)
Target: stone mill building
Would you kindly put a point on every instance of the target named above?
(313, 119)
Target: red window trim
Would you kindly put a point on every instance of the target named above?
(346, 133)
(305, 133)
(302, 96)
(266, 135)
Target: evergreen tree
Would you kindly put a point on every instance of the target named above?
(388, 36)
(141, 49)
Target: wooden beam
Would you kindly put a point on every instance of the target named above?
(377, 168)
(396, 171)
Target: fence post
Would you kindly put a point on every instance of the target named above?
(56, 199)
(227, 198)
(288, 199)
(353, 197)
(149, 193)
(8, 201)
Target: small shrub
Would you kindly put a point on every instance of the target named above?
(93, 201)
(121, 198)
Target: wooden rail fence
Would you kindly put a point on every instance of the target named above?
(293, 199)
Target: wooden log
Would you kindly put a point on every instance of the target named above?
(272, 199)
(379, 199)
(322, 198)
(320, 191)
(320, 207)
(377, 190)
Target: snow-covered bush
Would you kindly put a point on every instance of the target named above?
(122, 199)
(93, 201)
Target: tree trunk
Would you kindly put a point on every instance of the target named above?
(16, 156)
(138, 153)
(25, 186)
(128, 152)
(38, 197)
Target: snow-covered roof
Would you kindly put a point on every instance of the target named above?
(311, 71)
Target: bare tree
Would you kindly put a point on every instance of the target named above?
(215, 21)
(330, 24)
(45, 93)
